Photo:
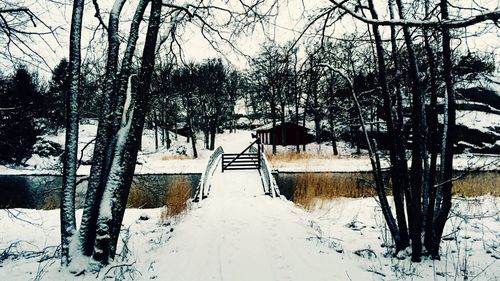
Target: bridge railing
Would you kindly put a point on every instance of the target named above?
(268, 180)
(203, 187)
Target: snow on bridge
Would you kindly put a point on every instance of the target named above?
(240, 233)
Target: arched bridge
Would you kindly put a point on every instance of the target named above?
(251, 159)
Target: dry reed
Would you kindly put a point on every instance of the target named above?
(292, 156)
(140, 197)
(176, 198)
(313, 187)
(310, 187)
(175, 157)
(478, 184)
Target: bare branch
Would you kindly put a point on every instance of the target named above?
(450, 23)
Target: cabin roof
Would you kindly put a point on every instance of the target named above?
(269, 126)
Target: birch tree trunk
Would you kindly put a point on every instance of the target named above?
(117, 187)
(68, 222)
(100, 157)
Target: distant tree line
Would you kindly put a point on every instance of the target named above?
(30, 106)
(201, 96)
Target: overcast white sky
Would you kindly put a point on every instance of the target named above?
(285, 27)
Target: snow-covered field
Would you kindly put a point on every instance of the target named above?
(239, 233)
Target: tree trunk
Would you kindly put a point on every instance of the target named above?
(377, 176)
(117, 188)
(401, 186)
(400, 235)
(163, 127)
(432, 141)
(155, 117)
(273, 116)
(206, 134)
(68, 222)
(306, 104)
(297, 104)
(333, 137)
(103, 146)
(192, 134)
(213, 132)
(443, 204)
(419, 143)
(283, 128)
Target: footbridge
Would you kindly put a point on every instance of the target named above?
(251, 159)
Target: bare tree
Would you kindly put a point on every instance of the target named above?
(428, 201)
(20, 30)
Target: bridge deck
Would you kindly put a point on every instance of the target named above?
(238, 233)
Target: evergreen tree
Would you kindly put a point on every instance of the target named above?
(17, 118)
(58, 86)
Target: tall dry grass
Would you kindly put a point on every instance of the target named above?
(292, 156)
(311, 187)
(176, 198)
(477, 184)
(141, 197)
(175, 157)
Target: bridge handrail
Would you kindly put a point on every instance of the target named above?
(201, 190)
(238, 155)
(267, 177)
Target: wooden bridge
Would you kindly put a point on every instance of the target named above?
(251, 158)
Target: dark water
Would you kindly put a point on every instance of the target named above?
(36, 191)
(21, 191)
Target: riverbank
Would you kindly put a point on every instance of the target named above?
(178, 158)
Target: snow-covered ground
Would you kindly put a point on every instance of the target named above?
(239, 233)
(152, 161)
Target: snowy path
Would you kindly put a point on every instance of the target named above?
(239, 233)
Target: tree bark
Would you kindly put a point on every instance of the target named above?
(192, 134)
(120, 177)
(419, 143)
(400, 235)
(213, 132)
(400, 185)
(155, 124)
(443, 204)
(433, 141)
(68, 222)
(273, 116)
(105, 140)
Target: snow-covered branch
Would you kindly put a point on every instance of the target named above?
(448, 23)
